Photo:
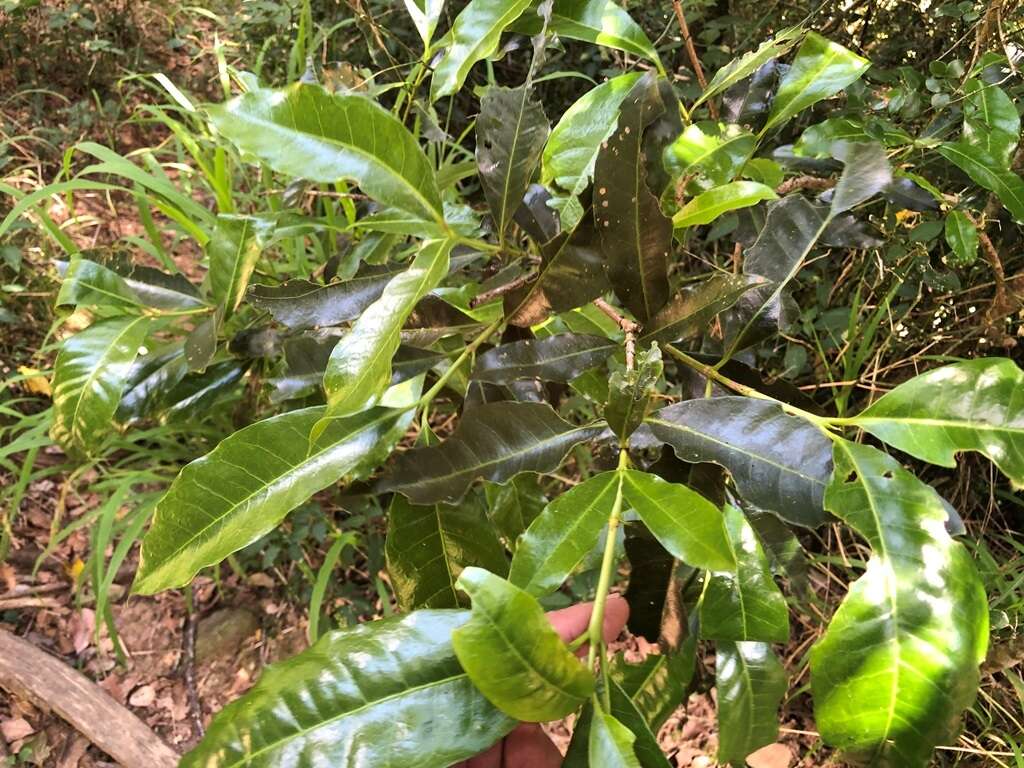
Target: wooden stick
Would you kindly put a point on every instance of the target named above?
(692, 53)
(50, 684)
(628, 327)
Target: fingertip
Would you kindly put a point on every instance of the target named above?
(616, 613)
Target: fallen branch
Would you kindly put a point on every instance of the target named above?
(47, 682)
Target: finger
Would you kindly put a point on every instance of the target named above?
(529, 747)
(572, 622)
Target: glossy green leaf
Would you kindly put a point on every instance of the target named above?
(610, 743)
(246, 485)
(778, 462)
(201, 343)
(601, 22)
(493, 442)
(514, 506)
(899, 661)
(360, 366)
(629, 392)
(744, 603)
(233, 251)
(715, 150)
(151, 378)
(687, 525)
(866, 173)
(694, 308)
(89, 376)
(425, 15)
(635, 235)
(657, 685)
(708, 206)
(561, 357)
(818, 139)
(990, 120)
(988, 172)
(747, 64)
(511, 131)
(571, 274)
(513, 655)
(474, 36)
(821, 69)
(88, 284)
(340, 702)
(304, 131)
(571, 151)
(563, 534)
(962, 237)
(750, 683)
(428, 547)
(975, 405)
(302, 304)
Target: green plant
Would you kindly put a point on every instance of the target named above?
(597, 318)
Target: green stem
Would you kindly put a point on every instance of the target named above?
(595, 629)
(466, 353)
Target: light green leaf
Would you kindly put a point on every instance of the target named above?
(687, 525)
(899, 661)
(427, 548)
(514, 506)
(562, 535)
(708, 206)
(304, 131)
(572, 148)
(750, 683)
(750, 62)
(339, 704)
(601, 22)
(246, 485)
(718, 151)
(976, 405)
(988, 172)
(990, 120)
(86, 283)
(962, 237)
(474, 36)
(821, 69)
(89, 376)
(233, 252)
(359, 369)
(513, 655)
(744, 603)
(425, 15)
(611, 743)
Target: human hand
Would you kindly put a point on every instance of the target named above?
(528, 746)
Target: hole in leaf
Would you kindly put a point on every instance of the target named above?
(852, 477)
(887, 474)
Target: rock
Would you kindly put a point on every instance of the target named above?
(223, 632)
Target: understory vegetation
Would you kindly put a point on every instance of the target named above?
(429, 319)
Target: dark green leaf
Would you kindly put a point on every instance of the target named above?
(246, 485)
(89, 284)
(89, 376)
(610, 743)
(339, 704)
(474, 37)
(788, 559)
(745, 603)
(899, 661)
(233, 251)
(657, 685)
(536, 216)
(514, 506)
(561, 357)
(693, 309)
(427, 548)
(750, 682)
(562, 535)
(962, 237)
(988, 172)
(201, 342)
(572, 148)
(513, 655)
(635, 235)
(494, 442)
(304, 131)
(150, 380)
(778, 462)
(510, 135)
(968, 406)
(571, 275)
(360, 366)
(708, 206)
(687, 525)
(199, 391)
(821, 69)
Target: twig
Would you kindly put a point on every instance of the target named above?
(188, 663)
(628, 327)
(804, 182)
(501, 290)
(692, 53)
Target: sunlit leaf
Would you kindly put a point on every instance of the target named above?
(708, 206)
(750, 683)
